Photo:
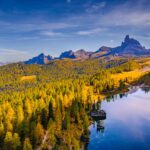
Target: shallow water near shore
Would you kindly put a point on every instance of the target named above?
(127, 125)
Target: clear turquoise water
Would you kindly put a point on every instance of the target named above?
(127, 126)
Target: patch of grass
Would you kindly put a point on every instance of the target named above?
(28, 78)
(128, 76)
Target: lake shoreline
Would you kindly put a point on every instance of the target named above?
(116, 126)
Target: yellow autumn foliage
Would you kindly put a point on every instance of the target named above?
(130, 76)
(28, 78)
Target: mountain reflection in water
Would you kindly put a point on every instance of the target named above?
(127, 125)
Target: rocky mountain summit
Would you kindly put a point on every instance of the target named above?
(129, 48)
(40, 59)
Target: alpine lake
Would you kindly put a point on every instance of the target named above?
(127, 122)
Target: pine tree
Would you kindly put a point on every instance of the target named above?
(16, 142)
(66, 122)
(39, 133)
(44, 118)
(27, 145)
(51, 114)
(24, 131)
(8, 141)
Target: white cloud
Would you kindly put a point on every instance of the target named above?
(125, 18)
(111, 41)
(87, 22)
(51, 33)
(11, 51)
(91, 8)
(34, 26)
(91, 32)
(12, 55)
(91, 17)
(118, 15)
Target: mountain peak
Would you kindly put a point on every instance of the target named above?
(127, 38)
(80, 51)
(40, 59)
(41, 55)
(82, 54)
(130, 42)
(129, 47)
(67, 54)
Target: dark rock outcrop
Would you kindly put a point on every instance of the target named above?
(40, 59)
(129, 47)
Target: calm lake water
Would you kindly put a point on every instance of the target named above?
(127, 126)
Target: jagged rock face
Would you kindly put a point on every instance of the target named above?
(130, 42)
(67, 54)
(101, 52)
(80, 54)
(40, 59)
(129, 47)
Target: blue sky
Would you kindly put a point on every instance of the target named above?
(29, 27)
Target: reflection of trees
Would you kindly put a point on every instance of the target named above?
(100, 126)
(99, 120)
(121, 95)
(96, 106)
(146, 89)
(112, 98)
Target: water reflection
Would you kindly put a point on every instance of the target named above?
(98, 115)
(100, 126)
(112, 98)
(146, 89)
(127, 125)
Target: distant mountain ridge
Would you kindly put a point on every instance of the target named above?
(129, 47)
(40, 59)
(80, 54)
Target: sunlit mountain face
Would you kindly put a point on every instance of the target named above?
(128, 48)
(28, 28)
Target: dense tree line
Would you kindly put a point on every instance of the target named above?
(53, 109)
(145, 79)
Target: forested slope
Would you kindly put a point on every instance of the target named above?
(55, 100)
